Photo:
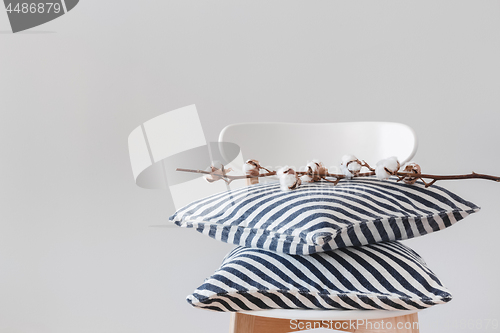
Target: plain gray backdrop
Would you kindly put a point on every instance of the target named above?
(77, 250)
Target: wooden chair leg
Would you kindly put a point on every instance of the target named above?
(243, 323)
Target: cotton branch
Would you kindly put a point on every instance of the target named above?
(403, 175)
(272, 173)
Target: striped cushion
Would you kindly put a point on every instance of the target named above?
(383, 276)
(319, 217)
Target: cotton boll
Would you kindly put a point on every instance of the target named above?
(314, 169)
(347, 158)
(249, 167)
(411, 167)
(392, 164)
(350, 166)
(218, 172)
(287, 182)
(386, 167)
(321, 168)
(316, 166)
(352, 163)
(288, 178)
(210, 178)
(313, 166)
(252, 168)
(282, 171)
(381, 173)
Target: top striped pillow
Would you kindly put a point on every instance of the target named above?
(319, 217)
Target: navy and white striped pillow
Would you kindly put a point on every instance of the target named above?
(387, 276)
(319, 217)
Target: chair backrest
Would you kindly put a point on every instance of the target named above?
(293, 144)
(176, 139)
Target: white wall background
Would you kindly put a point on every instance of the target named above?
(77, 253)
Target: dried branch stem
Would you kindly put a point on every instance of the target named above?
(402, 175)
(272, 173)
(338, 177)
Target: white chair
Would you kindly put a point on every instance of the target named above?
(273, 144)
(293, 144)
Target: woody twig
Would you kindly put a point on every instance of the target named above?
(434, 178)
(351, 166)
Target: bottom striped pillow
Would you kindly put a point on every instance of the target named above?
(387, 276)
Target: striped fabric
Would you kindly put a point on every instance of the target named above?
(384, 276)
(319, 217)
